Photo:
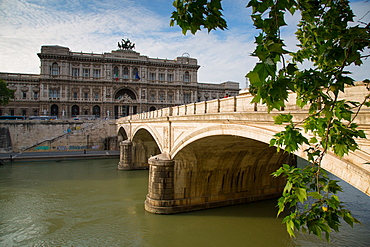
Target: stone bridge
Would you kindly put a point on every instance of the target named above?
(217, 153)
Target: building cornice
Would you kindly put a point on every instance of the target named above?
(116, 60)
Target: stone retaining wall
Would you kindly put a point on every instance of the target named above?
(59, 135)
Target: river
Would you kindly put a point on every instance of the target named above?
(91, 203)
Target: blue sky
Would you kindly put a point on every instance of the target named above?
(97, 25)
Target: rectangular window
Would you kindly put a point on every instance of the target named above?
(96, 96)
(96, 73)
(35, 95)
(152, 76)
(75, 72)
(24, 95)
(86, 95)
(161, 97)
(152, 97)
(75, 95)
(186, 97)
(161, 77)
(170, 98)
(169, 77)
(86, 72)
(54, 93)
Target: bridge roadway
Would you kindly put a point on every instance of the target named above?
(216, 153)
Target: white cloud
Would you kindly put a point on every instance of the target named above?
(97, 26)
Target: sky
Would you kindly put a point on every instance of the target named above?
(98, 25)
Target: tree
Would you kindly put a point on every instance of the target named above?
(5, 93)
(328, 41)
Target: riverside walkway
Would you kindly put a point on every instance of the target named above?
(32, 156)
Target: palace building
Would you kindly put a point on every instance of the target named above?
(108, 85)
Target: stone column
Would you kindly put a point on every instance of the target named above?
(125, 159)
(160, 198)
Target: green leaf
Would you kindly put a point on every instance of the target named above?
(315, 195)
(301, 194)
(288, 187)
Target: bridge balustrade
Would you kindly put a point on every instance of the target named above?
(191, 109)
(166, 112)
(213, 106)
(181, 110)
(227, 104)
(201, 108)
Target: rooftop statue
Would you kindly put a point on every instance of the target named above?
(126, 45)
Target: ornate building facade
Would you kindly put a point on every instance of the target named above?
(108, 85)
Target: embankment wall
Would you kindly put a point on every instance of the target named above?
(57, 135)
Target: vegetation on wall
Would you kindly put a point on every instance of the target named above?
(5, 93)
(331, 42)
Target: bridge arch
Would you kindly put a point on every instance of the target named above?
(122, 135)
(136, 149)
(221, 169)
(150, 133)
(250, 132)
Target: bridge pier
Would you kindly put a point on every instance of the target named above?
(160, 198)
(125, 162)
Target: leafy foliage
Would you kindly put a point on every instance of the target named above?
(331, 44)
(5, 93)
(191, 15)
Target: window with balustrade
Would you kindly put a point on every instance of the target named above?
(186, 77)
(54, 93)
(54, 69)
(125, 73)
(135, 74)
(161, 77)
(75, 72)
(86, 72)
(115, 73)
(152, 76)
(96, 73)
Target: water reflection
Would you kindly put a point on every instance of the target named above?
(90, 203)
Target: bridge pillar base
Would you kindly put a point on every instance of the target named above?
(161, 184)
(182, 206)
(125, 162)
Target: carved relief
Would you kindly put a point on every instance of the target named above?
(24, 89)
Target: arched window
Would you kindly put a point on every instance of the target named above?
(96, 111)
(115, 72)
(125, 73)
(186, 77)
(55, 69)
(135, 74)
(54, 110)
(75, 110)
(152, 108)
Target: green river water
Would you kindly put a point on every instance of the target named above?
(91, 203)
